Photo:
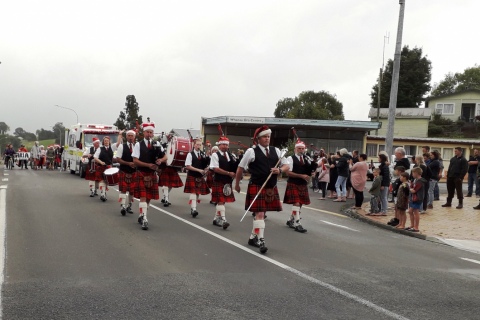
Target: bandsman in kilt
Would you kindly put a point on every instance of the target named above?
(126, 175)
(261, 160)
(103, 158)
(147, 156)
(90, 169)
(211, 173)
(196, 164)
(225, 166)
(296, 193)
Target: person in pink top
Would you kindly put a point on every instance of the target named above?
(358, 177)
(323, 176)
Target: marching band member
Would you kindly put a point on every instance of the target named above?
(261, 160)
(23, 162)
(296, 193)
(35, 154)
(211, 173)
(126, 174)
(103, 157)
(224, 165)
(169, 178)
(90, 170)
(195, 184)
(147, 156)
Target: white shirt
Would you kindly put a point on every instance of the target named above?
(136, 147)
(97, 152)
(188, 161)
(214, 162)
(290, 162)
(249, 157)
(119, 153)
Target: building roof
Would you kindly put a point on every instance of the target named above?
(452, 94)
(419, 139)
(305, 123)
(402, 113)
(184, 133)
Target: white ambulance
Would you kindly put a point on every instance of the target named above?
(78, 139)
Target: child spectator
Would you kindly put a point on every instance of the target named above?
(323, 176)
(375, 194)
(417, 194)
(401, 205)
(397, 173)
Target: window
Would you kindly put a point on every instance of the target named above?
(381, 147)
(477, 110)
(371, 150)
(411, 150)
(447, 153)
(445, 108)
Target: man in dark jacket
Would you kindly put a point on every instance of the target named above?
(456, 172)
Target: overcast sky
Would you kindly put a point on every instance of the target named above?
(187, 59)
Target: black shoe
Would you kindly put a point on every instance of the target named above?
(477, 207)
(129, 210)
(166, 204)
(225, 225)
(468, 195)
(290, 223)
(262, 246)
(460, 206)
(395, 223)
(300, 229)
(92, 194)
(163, 200)
(123, 211)
(253, 242)
(103, 198)
(144, 225)
(447, 205)
(96, 194)
(436, 199)
(194, 213)
(140, 219)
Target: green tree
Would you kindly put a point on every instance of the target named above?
(4, 128)
(467, 80)
(310, 105)
(128, 118)
(43, 134)
(59, 131)
(21, 133)
(413, 84)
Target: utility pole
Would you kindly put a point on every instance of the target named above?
(395, 77)
(380, 79)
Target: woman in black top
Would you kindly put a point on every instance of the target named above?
(434, 167)
(385, 173)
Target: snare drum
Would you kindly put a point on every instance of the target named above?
(177, 150)
(111, 176)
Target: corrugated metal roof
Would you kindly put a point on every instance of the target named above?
(422, 113)
(183, 133)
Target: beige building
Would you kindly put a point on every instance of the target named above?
(409, 122)
(463, 105)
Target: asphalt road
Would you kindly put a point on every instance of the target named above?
(69, 256)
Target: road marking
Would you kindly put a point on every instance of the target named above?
(3, 187)
(290, 269)
(325, 211)
(4, 179)
(3, 226)
(471, 260)
(339, 225)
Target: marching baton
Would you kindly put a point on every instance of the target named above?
(282, 154)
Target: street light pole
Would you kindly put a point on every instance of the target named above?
(68, 109)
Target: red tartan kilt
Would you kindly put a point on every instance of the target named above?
(260, 205)
(210, 179)
(141, 191)
(296, 193)
(99, 170)
(89, 176)
(217, 193)
(170, 178)
(123, 186)
(191, 186)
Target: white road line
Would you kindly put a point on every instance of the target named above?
(3, 187)
(3, 206)
(339, 225)
(325, 211)
(290, 269)
(4, 179)
(471, 260)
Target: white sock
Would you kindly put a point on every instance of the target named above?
(258, 228)
(193, 201)
(165, 193)
(143, 208)
(220, 211)
(122, 198)
(91, 185)
(103, 188)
